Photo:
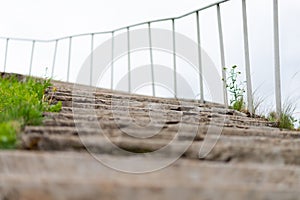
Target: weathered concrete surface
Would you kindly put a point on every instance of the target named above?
(251, 160)
(63, 175)
(227, 149)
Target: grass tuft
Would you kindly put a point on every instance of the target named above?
(286, 119)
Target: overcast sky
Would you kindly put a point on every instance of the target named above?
(50, 19)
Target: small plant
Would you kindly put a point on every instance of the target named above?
(48, 102)
(273, 117)
(286, 121)
(235, 88)
(54, 107)
(8, 135)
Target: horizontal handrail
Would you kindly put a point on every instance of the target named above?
(118, 29)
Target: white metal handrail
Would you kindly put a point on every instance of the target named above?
(173, 19)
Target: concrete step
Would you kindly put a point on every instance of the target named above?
(189, 130)
(163, 117)
(227, 149)
(88, 92)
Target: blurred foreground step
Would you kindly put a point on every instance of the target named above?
(74, 175)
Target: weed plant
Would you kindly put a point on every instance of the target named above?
(235, 88)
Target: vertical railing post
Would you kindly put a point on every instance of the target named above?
(247, 59)
(31, 57)
(54, 58)
(92, 59)
(201, 90)
(151, 59)
(129, 64)
(221, 40)
(112, 61)
(5, 55)
(69, 59)
(277, 59)
(174, 57)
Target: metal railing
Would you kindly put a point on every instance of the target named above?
(173, 20)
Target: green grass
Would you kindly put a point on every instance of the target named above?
(8, 134)
(21, 103)
(285, 120)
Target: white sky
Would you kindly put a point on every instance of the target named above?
(49, 19)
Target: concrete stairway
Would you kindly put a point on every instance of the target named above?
(60, 159)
